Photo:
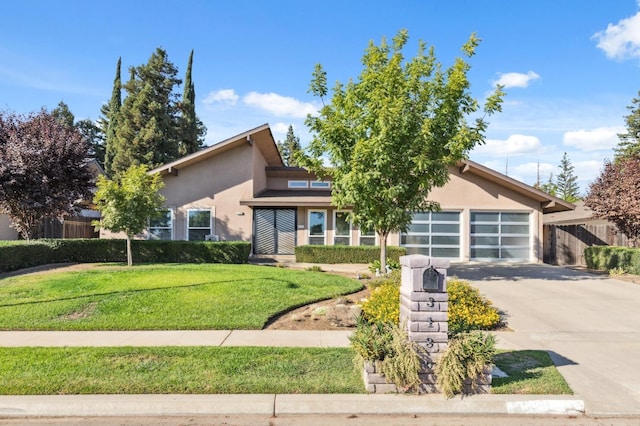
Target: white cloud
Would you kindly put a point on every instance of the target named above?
(621, 41)
(514, 145)
(600, 139)
(223, 96)
(515, 79)
(280, 106)
(280, 128)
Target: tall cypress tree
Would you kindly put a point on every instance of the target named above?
(190, 138)
(110, 120)
(566, 183)
(148, 129)
(289, 147)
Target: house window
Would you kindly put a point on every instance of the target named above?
(367, 238)
(317, 226)
(297, 184)
(341, 228)
(320, 184)
(199, 224)
(161, 227)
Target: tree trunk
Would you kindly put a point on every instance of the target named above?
(383, 253)
(129, 256)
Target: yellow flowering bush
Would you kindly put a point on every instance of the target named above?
(468, 309)
(383, 305)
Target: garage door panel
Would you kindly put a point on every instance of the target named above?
(434, 234)
(500, 236)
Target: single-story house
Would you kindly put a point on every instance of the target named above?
(239, 189)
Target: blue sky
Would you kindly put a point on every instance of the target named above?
(570, 67)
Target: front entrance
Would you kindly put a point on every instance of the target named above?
(274, 231)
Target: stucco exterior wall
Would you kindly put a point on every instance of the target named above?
(218, 183)
(6, 231)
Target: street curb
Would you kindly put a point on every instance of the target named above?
(283, 404)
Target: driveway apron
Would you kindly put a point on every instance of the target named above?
(589, 324)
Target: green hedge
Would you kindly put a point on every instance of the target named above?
(606, 258)
(22, 254)
(345, 254)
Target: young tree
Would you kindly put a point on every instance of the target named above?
(390, 136)
(614, 196)
(128, 203)
(289, 148)
(550, 186)
(43, 169)
(566, 182)
(148, 122)
(629, 145)
(192, 130)
(110, 114)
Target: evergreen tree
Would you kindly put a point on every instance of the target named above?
(63, 115)
(148, 130)
(629, 145)
(550, 186)
(289, 147)
(566, 182)
(94, 136)
(192, 129)
(110, 113)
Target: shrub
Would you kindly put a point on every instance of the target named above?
(468, 309)
(465, 359)
(345, 254)
(391, 264)
(383, 304)
(40, 252)
(607, 258)
(387, 346)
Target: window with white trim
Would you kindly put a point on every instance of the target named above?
(367, 238)
(317, 227)
(161, 227)
(298, 184)
(198, 224)
(341, 228)
(320, 184)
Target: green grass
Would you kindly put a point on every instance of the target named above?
(161, 297)
(530, 372)
(183, 370)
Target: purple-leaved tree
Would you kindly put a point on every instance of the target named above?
(43, 169)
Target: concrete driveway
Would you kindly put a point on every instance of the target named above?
(590, 325)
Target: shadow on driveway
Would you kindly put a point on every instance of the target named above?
(517, 272)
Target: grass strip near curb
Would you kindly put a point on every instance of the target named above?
(530, 372)
(177, 370)
(161, 297)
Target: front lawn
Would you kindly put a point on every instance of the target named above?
(177, 370)
(530, 372)
(161, 297)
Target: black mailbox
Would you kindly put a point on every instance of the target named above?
(431, 280)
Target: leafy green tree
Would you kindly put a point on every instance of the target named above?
(192, 129)
(63, 114)
(614, 196)
(129, 202)
(629, 145)
(43, 170)
(567, 182)
(389, 137)
(109, 122)
(550, 186)
(148, 130)
(289, 148)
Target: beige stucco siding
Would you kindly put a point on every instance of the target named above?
(6, 231)
(218, 183)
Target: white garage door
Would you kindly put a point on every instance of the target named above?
(434, 234)
(500, 236)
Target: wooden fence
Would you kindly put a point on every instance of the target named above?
(72, 227)
(565, 244)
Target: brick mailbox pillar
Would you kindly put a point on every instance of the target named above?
(423, 308)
